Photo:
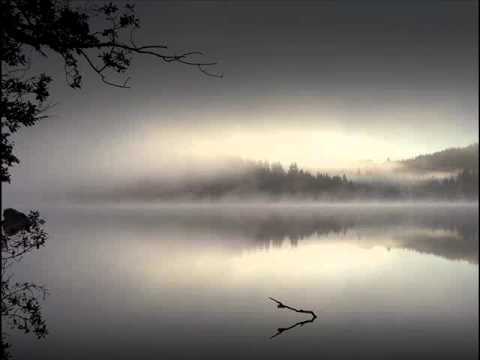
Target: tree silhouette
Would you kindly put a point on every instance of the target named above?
(21, 310)
(46, 26)
(39, 28)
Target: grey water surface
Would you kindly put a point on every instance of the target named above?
(193, 281)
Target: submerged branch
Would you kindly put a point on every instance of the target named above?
(300, 323)
(281, 305)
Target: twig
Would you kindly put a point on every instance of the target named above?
(281, 305)
(300, 323)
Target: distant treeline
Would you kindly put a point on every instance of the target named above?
(446, 160)
(274, 181)
(239, 179)
(463, 185)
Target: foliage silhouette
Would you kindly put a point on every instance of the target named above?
(42, 27)
(20, 305)
(273, 182)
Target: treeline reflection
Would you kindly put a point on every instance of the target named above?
(450, 232)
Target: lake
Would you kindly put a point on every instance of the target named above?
(194, 281)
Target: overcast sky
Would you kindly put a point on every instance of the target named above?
(326, 84)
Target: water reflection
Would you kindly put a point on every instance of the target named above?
(191, 282)
(450, 232)
(452, 235)
(281, 305)
(280, 331)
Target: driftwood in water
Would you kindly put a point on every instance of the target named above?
(281, 305)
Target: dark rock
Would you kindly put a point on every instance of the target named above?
(15, 221)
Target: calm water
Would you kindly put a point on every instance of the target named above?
(192, 282)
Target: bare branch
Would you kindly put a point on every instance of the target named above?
(281, 305)
(145, 50)
(219, 75)
(100, 72)
(300, 323)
